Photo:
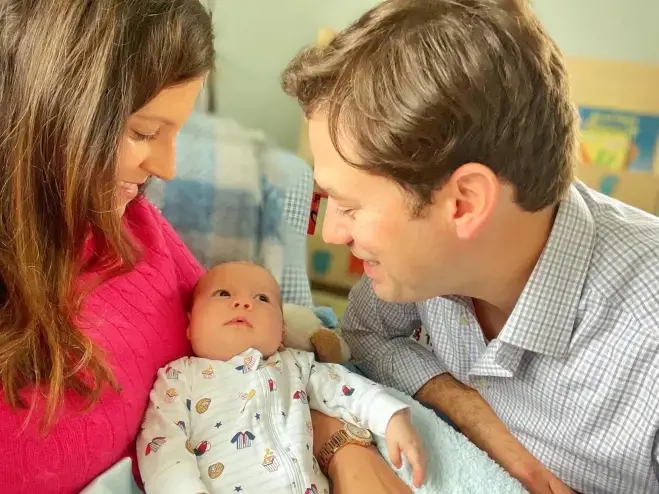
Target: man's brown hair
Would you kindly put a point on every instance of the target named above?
(425, 86)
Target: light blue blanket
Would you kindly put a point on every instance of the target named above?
(455, 465)
(227, 200)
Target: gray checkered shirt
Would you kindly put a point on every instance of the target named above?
(574, 374)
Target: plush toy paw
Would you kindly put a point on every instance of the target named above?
(305, 330)
(330, 346)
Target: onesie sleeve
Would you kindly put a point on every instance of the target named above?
(163, 451)
(337, 392)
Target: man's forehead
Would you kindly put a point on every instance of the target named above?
(337, 180)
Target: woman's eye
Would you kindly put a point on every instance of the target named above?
(263, 298)
(140, 136)
(221, 293)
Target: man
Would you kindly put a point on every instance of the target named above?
(444, 134)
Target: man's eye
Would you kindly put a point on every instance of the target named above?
(221, 293)
(263, 298)
(350, 213)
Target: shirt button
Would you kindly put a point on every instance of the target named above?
(463, 320)
(480, 382)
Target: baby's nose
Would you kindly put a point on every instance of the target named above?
(242, 304)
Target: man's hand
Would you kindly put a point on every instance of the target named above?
(537, 479)
(476, 420)
(401, 437)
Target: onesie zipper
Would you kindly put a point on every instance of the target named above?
(291, 466)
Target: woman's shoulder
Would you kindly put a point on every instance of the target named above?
(148, 225)
(162, 244)
(143, 214)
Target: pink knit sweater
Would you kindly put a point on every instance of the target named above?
(140, 320)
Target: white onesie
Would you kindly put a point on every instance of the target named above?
(245, 425)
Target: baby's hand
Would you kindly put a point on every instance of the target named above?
(402, 437)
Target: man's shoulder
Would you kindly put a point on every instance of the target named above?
(624, 267)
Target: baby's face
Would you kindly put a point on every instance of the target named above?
(236, 306)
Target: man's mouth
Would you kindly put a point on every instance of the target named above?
(238, 321)
(371, 263)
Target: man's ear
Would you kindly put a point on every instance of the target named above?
(474, 190)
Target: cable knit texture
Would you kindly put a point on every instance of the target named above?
(140, 320)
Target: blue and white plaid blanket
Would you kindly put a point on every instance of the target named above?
(235, 197)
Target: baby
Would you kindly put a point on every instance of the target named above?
(236, 418)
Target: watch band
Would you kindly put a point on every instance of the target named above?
(336, 441)
(333, 444)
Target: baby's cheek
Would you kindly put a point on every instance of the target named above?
(208, 345)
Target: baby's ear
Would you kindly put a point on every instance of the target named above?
(283, 336)
(187, 332)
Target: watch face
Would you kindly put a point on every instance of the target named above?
(363, 434)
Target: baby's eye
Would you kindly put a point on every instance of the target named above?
(221, 293)
(263, 298)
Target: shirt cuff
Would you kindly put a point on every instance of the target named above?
(383, 407)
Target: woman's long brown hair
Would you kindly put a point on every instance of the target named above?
(71, 73)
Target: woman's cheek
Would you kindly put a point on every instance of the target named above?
(130, 155)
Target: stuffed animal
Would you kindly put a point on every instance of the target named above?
(313, 330)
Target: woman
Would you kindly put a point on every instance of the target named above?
(93, 281)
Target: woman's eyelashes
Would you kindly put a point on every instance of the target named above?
(141, 136)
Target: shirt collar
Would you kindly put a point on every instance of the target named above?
(543, 318)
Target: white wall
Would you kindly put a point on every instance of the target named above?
(612, 29)
(256, 38)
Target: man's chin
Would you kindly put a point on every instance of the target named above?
(385, 291)
(394, 294)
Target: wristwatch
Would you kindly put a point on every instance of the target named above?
(349, 434)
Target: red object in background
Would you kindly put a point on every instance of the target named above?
(355, 266)
(313, 215)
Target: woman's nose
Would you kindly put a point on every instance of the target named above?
(162, 161)
(242, 304)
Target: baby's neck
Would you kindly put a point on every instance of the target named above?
(254, 352)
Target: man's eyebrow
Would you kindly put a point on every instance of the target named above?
(330, 192)
(155, 118)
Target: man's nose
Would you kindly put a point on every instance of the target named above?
(162, 162)
(334, 229)
(242, 304)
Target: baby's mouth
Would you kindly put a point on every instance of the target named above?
(238, 321)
